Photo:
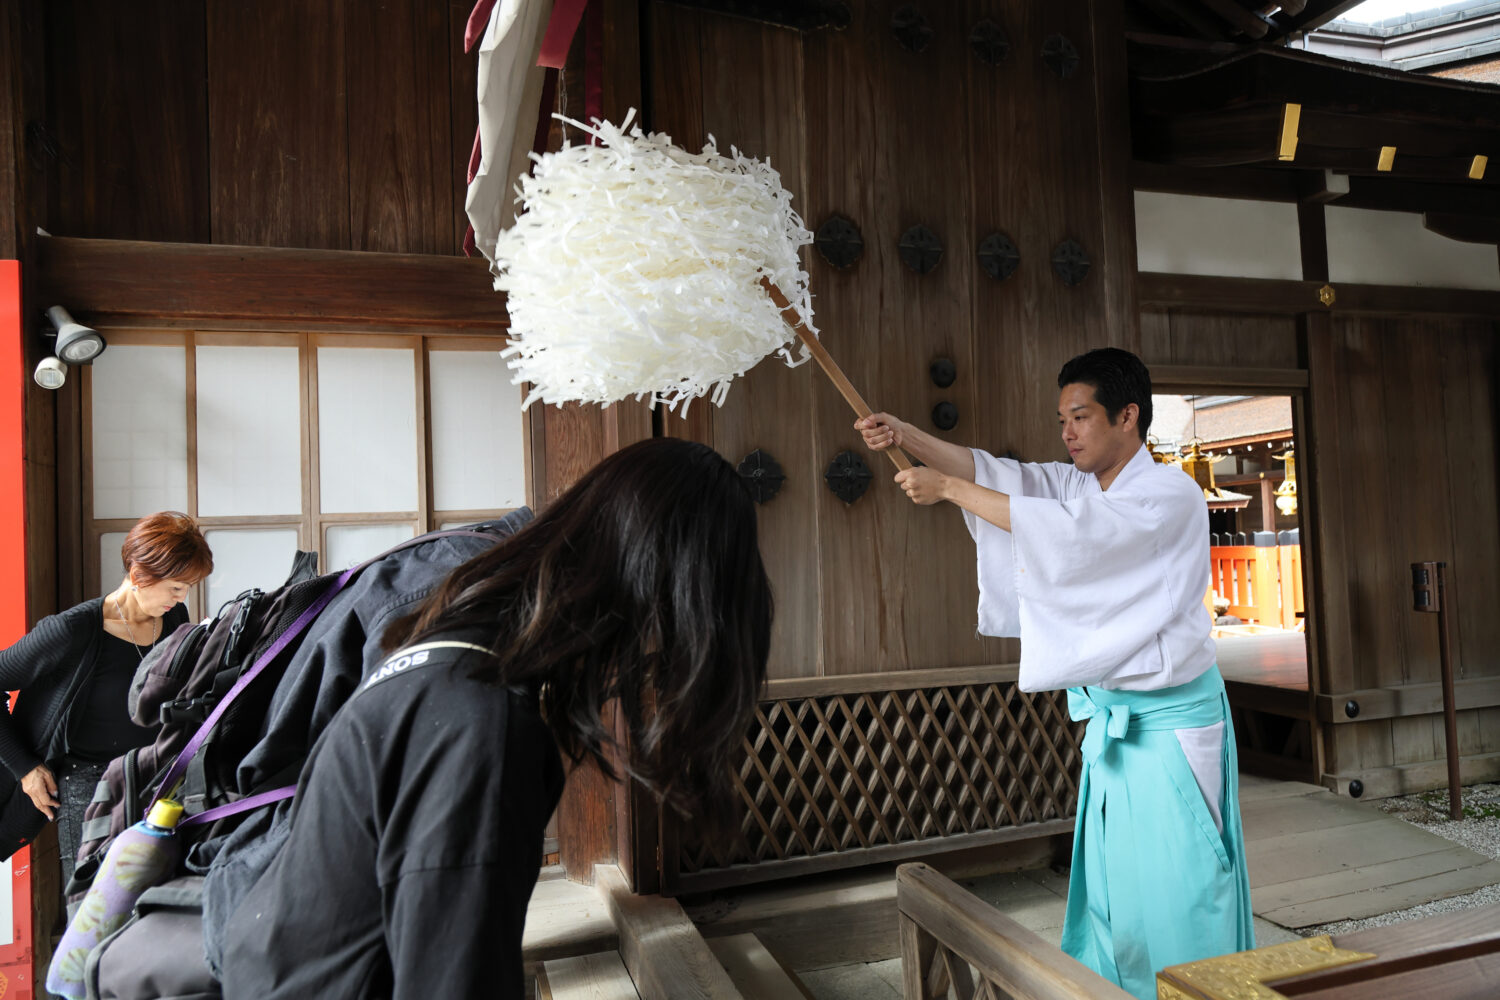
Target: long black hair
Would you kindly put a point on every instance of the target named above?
(642, 583)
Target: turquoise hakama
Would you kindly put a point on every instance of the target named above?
(1154, 881)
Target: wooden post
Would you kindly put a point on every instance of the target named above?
(1429, 594)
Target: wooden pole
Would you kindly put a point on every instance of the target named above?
(830, 367)
(1450, 709)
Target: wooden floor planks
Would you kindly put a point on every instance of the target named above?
(1315, 858)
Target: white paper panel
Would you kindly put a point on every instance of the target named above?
(111, 569)
(7, 904)
(477, 457)
(367, 429)
(249, 431)
(351, 544)
(1394, 248)
(139, 405)
(1190, 234)
(245, 558)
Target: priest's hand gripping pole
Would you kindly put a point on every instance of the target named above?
(830, 367)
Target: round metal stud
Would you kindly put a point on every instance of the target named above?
(1351, 708)
(920, 249)
(1060, 56)
(945, 416)
(944, 372)
(998, 256)
(1356, 788)
(839, 241)
(848, 476)
(761, 475)
(911, 28)
(1070, 262)
(989, 42)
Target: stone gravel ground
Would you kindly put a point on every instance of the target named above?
(1479, 831)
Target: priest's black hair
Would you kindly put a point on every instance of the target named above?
(1118, 379)
(641, 588)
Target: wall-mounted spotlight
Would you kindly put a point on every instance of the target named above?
(50, 373)
(76, 343)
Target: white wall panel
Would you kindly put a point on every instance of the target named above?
(248, 557)
(367, 423)
(111, 569)
(351, 544)
(139, 429)
(249, 431)
(1231, 237)
(477, 448)
(1394, 248)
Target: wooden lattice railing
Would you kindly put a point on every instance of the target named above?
(843, 771)
(954, 943)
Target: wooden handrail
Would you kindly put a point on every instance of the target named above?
(941, 921)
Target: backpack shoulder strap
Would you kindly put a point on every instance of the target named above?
(179, 766)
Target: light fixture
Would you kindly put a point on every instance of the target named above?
(1286, 493)
(50, 373)
(76, 343)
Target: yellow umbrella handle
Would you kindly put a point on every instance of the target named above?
(830, 367)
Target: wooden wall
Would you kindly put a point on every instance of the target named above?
(1403, 420)
(861, 127)
(328, 124)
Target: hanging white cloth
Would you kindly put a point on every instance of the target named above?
(510, 94)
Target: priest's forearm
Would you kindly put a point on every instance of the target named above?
(978, 500)
(944, 456)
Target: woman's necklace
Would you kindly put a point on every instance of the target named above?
(155, 628)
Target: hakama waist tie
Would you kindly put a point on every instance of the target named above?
(1154, 881)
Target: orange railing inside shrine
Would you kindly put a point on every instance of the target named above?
(1262, 583)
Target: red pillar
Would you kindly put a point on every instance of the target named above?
(15, 956)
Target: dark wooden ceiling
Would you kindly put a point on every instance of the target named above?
(1233, 20)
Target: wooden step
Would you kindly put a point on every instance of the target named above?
(664, 953)
(601, 976)
(755, 970)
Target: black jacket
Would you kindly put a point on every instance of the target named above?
(322, 675)
(49, 666)
(416, 840)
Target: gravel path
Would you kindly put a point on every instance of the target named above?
(1479, 831)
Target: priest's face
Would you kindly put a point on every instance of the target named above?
(1095, 444)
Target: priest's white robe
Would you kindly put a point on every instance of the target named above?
(1105, 590)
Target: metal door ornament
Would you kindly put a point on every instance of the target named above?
(848, 476)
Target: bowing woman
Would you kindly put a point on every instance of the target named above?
(417, 827)
(73, 672)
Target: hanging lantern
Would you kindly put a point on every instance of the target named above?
(1159, 455)
(1286, 493)
(1201, 467)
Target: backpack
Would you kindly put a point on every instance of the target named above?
(209, 685)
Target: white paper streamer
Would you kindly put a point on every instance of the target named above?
(635, 270)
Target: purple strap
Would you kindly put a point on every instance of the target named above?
(180, 765)
(241, 805)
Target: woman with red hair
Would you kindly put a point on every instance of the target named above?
(73, 671)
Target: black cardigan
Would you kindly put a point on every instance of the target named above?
(49, 666)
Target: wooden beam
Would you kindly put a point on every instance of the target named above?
(204, 287)
(1250, 183)
(1241, 19)
(1402, 195)
(1002, 951)
(1227, 379)
(1282, 297)
(1406, 700)
(666, 956)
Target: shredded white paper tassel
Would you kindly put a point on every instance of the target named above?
(635, 270)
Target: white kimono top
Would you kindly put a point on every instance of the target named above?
(1105, 588)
